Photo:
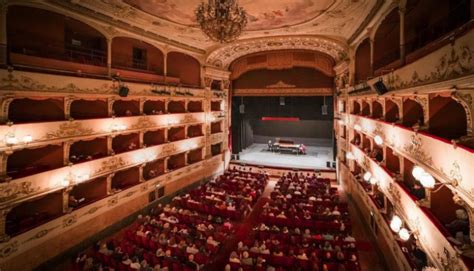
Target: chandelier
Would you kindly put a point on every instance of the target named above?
(221, 20)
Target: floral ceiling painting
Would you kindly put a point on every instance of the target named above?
(263, 14)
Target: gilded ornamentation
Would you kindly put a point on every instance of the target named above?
(69, 129)
(40, 234)
(415, 149)
(219, 94)
(111, 164)
(70, 220)
(119, 9)
(455, 173)
(450, 262)
(9, 191)
(94, 209)
(8, 249)
(129, 194)
(143, 123)
(189, 118)
(394, 192)
(169, 149)
(457, 62)
(225, 55)
(112, 201)
(24, 83)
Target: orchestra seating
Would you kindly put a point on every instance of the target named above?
(195, 223)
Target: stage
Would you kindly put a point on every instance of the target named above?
(315, 157)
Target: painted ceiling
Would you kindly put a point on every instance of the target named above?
(336, 20)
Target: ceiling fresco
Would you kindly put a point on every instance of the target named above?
(174, 20)
(263, 14)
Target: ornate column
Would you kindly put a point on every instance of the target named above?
(140, 173)
(110, 106)
(110, 150)
(141, 134)
(165, 162)
(109, 183)
(3, 32)
(166, 135)
(66, 152)
(4, 237)
(67, 106)
(165, 64)
(402, 11)
(66, 192)
(5, 105)
(3, 164)
(372, 46)
(109, 56)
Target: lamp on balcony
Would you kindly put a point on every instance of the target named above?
(350, 156)
(404, 234)
(378, 140)
(367, 176)
(396, 223)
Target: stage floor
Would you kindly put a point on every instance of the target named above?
(315, 157)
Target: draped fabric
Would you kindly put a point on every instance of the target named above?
(283, 60)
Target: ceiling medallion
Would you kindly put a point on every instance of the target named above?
(221, 20)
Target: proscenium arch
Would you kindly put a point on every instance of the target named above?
(224, 56)
(291, 58)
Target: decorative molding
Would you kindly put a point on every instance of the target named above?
(12, 190)
(284, 92)
(110, 165)
(225, 55)
(415, 149)
(69, 129)
(280, 84)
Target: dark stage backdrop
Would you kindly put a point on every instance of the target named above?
(313, 128)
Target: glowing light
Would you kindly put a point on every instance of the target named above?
(341, 122)
(367, 176)
(404, 234)
(11, 140)
(427, 180)
(378, 140)
(396, 223)
(350, 156)
(357, 127)
(373, 181)
(27, 139)
(417, 172)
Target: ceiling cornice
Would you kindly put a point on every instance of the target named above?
(69, 5)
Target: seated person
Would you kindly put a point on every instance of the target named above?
(418, 191)
(191, 263)
(459, 227)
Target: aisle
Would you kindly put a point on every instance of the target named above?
(242, 229)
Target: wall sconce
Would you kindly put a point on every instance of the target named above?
(11, 140)
(404, 234)
(426, 180)
(367, 176)
(357, 127)
(27, 139)
(378, 140)
(373, 181)
(350, 156)
(396, 223)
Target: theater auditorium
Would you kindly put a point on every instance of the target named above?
(237, 135)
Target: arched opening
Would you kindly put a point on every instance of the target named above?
(89, 109)
(30, 214)
(426, 21)
(355, 108)
(26, 162)
(412, 113)
(24, 110)
(356, 139)
(153, 138)
(387, 41)
(450, 215)
(443, 110)
(362, 61)
(154, 169)
(131, 57)
(392, 162)
(87, 192)
(413, 186)
(392, 112)
(377, 110)
(125, 143)
(87, 150)
(125, 179)
(365, 109)
(151, 107)
(126, 108)
(194, 156)
(184, 67)
(48, 39)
